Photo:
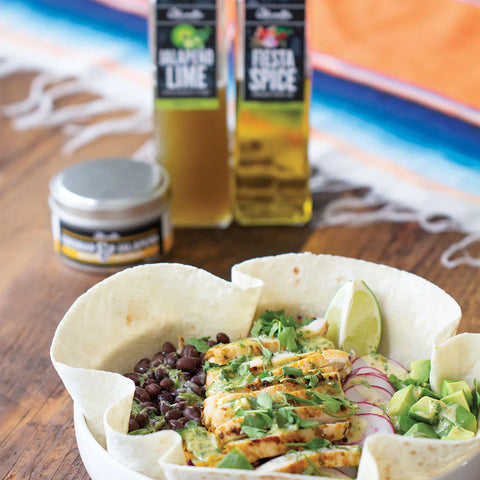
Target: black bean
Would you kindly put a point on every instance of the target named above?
(175, 424)
(156, 363)
(142, 395)
(164, 407)
(198, 407)
(153, 389)
(150, 374)
(148, 381)
(141, 418)
(147, 404)
(160, 373)
(211, 343)
(194, 388)
(152, 409)
(133, 376)
(171, 359)
(201, 357)
(223, 338)
(158, 356)
(141, 367)
(186, 363)
(177, 393)
(197, 361)
(167, 383)
(190, 413)
(189, 351)
(168, 347)
(181, 404)
(199, 379)
(173, 414)
(133, 425)
(186, 375)
(166, 397)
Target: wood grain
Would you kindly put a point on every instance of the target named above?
(36, 431)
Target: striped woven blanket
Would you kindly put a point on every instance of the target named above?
(395, 103)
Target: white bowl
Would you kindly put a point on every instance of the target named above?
(100, 465)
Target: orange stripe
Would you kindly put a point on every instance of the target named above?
(385, 165)
(44, 46)
(430, 43)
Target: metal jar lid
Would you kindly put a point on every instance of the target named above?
(112, 190)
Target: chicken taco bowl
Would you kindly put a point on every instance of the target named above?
(159, 356)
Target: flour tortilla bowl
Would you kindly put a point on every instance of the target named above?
(127, 316)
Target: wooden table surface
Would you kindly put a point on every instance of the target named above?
(36, 429)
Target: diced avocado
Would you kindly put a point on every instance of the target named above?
(426, 392)
(421, 430)
(427, 410)
(401, 401)
(444, 426)
(459, 416)
(451, 386)
(466, 419)
(420, 371)
(458, 398)
(403, 423)
(458, 433)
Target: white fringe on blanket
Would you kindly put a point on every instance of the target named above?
(38, 109)
(371, 208)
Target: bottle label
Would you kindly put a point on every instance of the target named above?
(112, 248)
(185, 55)
(274, 51)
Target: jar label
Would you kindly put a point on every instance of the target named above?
(185, 55)
(112, 248)
(274, 52)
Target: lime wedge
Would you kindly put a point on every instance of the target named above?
(354, 319)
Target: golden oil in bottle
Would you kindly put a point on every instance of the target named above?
(271, 171)
(188, 40)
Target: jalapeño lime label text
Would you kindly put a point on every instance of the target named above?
(185, 54)
(274, 51)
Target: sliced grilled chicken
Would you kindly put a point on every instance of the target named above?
(336, 359)
(232, 430)
(257, 364)
(274, 445)
(221, 407)
(223, 353)
(298, 462)
(326, 361)
(325, 375)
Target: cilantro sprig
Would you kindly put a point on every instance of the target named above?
(276, 324)
(199, 343)
(267, 412)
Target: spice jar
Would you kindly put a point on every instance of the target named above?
(110, 213)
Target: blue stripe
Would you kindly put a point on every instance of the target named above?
(94, 15)
(407, 120)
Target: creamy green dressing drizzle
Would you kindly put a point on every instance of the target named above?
(200, 443)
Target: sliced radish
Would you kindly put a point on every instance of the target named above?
(366, 407)
(364, 370)
(386, 365)
(369, 379)
(333, 473)
(361, 393)
(366, 424)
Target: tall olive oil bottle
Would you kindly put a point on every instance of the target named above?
(270, 172)
(189, 53)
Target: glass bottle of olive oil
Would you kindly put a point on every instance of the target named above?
(271, 171)
(188, 44)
